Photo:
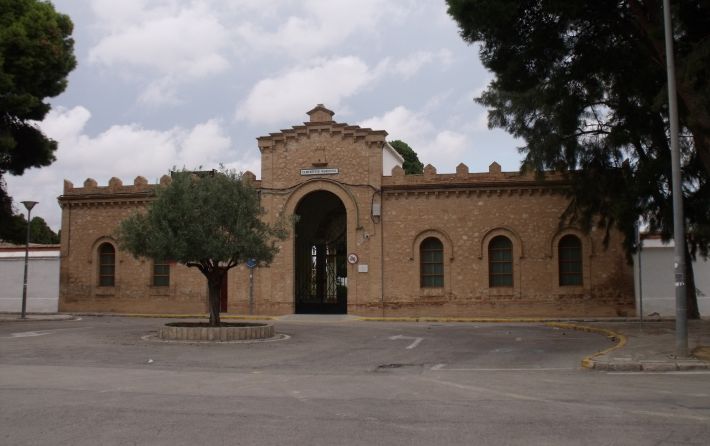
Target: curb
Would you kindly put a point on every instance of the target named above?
(176, 316)
(652, 366)
(488, 319)
(10, 317)
(588, 362)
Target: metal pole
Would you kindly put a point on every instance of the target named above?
(639, 242)
(681, 311)
(251, 291)
(29, 205)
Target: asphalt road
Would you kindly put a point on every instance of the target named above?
(107, 381)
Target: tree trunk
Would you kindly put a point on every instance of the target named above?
(691, 297)
(214, 284)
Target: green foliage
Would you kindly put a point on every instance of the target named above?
(584, 84)
(16, 227)
(41, 233)
(209, 221)
(36, 55)
(411, 164)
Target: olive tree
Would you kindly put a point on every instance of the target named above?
(205, 220)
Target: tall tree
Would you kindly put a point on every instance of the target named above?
(584, 84)
(40, 232)
(36, 55)
(209, 221)
(411, 164)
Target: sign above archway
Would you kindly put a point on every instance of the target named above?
(321, 171)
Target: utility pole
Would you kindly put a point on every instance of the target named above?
(681, 306)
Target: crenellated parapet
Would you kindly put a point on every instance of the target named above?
(463, 181)
(115, 186)
(114, 193)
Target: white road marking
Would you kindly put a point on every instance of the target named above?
(27, 334)
(410, 346)
(438, 367)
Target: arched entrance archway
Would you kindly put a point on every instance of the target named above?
(320, 254)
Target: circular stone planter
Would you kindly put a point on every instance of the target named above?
(201, 331)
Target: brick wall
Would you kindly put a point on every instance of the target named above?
(464, 210)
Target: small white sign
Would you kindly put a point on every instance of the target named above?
(362, 268)
(322, 171)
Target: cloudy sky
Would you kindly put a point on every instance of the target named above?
(163, 83)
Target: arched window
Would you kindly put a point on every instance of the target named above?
(431, 259)
(107, 265)
(161, 273)
(569, 252)
(500, 262)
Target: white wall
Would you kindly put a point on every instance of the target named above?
(390, 159)
(655, 289)
(42, 283)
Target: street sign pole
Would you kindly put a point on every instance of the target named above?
(251, 264)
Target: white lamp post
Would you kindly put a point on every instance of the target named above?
(28, 205)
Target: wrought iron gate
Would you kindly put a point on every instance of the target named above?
(321, 276)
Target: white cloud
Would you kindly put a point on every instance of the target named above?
(286, 97)
(410, 65)
(205, 141)
(123, 151)
(450, 145)
(442, 148)
(162, 91)
(114, 15)
(318, 25)
(401, 123)
(324, 81)
(178, 44)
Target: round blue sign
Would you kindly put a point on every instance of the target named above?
(251, 263)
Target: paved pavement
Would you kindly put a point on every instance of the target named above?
(650, 346)
(334, 380)
(640, 345)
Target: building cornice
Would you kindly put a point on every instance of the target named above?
(331, 129)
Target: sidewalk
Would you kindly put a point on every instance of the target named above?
(15, 317)
(650, 346)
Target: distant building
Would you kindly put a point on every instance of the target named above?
(43, 278)
(370, 240)
(655, 286)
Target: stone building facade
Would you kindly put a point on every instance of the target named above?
(369, 240)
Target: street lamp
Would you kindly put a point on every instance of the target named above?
(28, 205)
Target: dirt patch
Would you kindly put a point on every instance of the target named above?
(702, 353)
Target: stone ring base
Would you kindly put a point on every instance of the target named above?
(184, 331)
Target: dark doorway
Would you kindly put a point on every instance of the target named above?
(321, 265)
(223, 293)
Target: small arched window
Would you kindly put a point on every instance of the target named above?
(107, 265)
(570, 258)
(431, 258)
(500, 262)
